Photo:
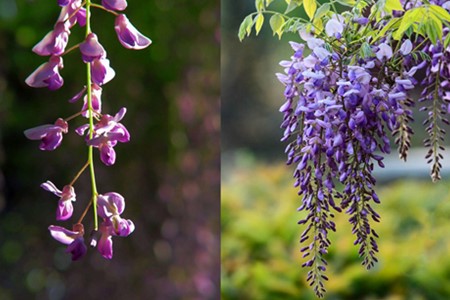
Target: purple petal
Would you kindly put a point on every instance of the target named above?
(105, 246)
(77, 248)
(55, 42)
(64, 211)
(46, 75)
(101, 71)
(114, 4)
(62, 234)
(116, 201)
(128, 35)
(91, 49)
(81, 130)
(107, 154)
(50, 187)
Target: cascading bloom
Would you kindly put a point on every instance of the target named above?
(47, 74)
(74, 239)
(104, 135)
(50, 135)
(66, 197)
(128, 35)
(110, 207)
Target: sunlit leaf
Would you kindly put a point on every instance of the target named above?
(259, 23)
(246, 27)
(393, 5)
(310, 8)
(322, 10)
(277, 23)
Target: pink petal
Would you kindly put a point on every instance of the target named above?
(128, 35)
(114, 4)
(62, 234)
(50, 187)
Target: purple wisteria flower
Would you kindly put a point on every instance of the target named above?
(115, 4)
(110, 206)
(74, 239)
(91, 49)
(72, 12)
(50, 135)
(107, 132)
(47, 74)
(128, 35)
(96, 100)
(66, 197)
(101, 71)
(55, 42)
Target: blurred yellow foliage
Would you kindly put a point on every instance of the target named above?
(260, 249)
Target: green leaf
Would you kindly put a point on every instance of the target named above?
(322, 11)
(349, 3)
(293, 5)
(276, 23)
(434, 28)
(392, 24)
(259, 4)
(440, 12)
(268, 2)
(310, 8)
(447, 41)
(366, 50)
(246, 27)
(393, 5)
(259, 22)
(408, 19)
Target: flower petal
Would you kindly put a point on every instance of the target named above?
(62, 234)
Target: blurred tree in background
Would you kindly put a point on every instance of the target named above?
(168, 173)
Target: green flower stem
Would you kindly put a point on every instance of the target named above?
(91, 121)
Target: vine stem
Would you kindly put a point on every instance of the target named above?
(91, 122)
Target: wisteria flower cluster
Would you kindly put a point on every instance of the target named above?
(347, 89)
(101, 131)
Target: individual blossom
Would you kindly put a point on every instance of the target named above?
(107, 132)
(114, 4)
(66, 197)
(96, 100)
(406, 47)
(101, 71)
(72, 12)
(50, 135)
(335, 26)
(128, 35)
(384, 51)
(91, 48)
(74, 239)
(55, 42)
(110, 206)
(47, 74)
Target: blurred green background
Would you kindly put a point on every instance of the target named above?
(168, 173)
(260, 248)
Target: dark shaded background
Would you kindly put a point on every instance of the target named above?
(168, 173)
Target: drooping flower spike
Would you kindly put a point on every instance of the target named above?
(102, 131)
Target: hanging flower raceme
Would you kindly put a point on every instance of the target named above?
(102, 131)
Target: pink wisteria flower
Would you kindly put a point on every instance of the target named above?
(66, 197)
(91, 48)
(128, 35)
(107, 132)
(101, 71)
(110, 206)
(96, 100)
(115, 4)
(47, 74)
(74, 239)
(72, 12)
(50, 135)
(55, 42)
